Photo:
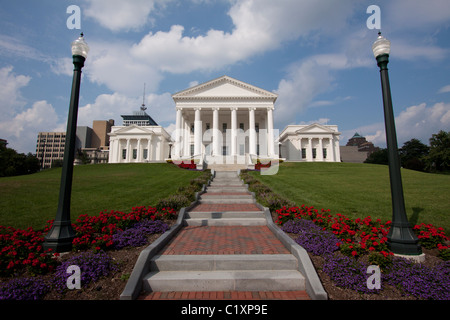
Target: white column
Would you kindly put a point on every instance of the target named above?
(197, 133)
(270, 141)
(139, 153)
(337, 150)
(182, 136)
(216, 132)
(119, 151)
(149, 147)
(320, 151)
(331, 149)
(309, 154)
(127, 158)
(187, 139)
(299, 148)
(252, 138)
(233, 131)
(178, 133)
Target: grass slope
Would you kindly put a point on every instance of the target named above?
(31, 200)
(361, 190)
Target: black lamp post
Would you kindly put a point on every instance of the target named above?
(401, 238)
(60, 237)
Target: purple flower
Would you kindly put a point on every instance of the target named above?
(93, 266)
(137, 235)
(23, 289)
(312, 237)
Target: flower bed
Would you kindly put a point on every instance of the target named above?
(22, 253)
(348, 247)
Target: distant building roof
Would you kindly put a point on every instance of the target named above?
(357, 135)
(139, 118)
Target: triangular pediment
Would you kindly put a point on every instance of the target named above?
(224, 87)
(315, 128)
(133, 130)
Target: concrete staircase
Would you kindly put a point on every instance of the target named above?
(224, 272)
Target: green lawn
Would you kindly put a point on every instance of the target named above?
(31, 200)
(361, 190)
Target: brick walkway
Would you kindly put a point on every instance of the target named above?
(218, 240)
(228, 295)
(225, 240)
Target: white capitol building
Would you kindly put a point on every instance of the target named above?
(222, 122)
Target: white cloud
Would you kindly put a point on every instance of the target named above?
(258, 27)
(118, 15)
(415, 14)
(112, 106)
(444, 89)
(418, 122)
(10, 95)
(21, 131)
(308, 79)
(404, 50)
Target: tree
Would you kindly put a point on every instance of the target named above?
(378, 157)
(14, 164)
(412, 155)
(438, 159)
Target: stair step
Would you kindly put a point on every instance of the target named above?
(238, 280)
(224, 262)
(226, 200)
(225, 222)
(220, 189)
(224, 214)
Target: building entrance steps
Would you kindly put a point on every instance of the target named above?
(224, 245)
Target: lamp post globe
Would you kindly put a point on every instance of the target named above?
(401, 238)
(61, 235)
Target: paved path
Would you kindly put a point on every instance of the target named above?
(213, 241)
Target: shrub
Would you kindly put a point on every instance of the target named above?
(188, 191)
(444, 252)
(175, 202)
(430, 236)
(24, 289)
(273, 201)
(22, 249)
(93, 266)
(382, 259)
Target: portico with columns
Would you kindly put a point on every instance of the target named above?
(310, 143)
(224, 121)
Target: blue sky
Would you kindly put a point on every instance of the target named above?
(316, 55)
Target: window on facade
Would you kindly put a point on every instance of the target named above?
(134, 153)
(303, 153)
(241, 126)
(124, 154)
(257, 127)
(241, 149)
(224, 127)
(257, 149)
(208, 126)
(324, 153)
(192, 128)
(224, 150)
(146, 154)
(192, 149)
(314, 150)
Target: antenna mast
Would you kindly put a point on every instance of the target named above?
(143, 108)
